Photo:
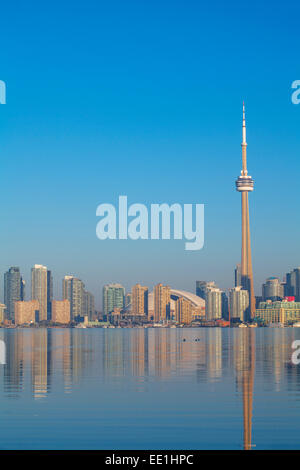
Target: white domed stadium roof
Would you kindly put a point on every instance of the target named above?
(175, 294)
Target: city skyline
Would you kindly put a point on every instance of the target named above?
(82, 301)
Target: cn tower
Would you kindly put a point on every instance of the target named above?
(245, 184)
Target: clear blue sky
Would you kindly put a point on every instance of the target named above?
(144, 99)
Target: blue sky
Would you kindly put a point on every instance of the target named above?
(144, 99)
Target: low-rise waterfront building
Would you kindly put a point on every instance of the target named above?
(2, 312)
(284, 312)
(61, 311)
(26, 312)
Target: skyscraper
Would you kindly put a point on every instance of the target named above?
(127, 299)
(238, 302)
(237, 276)
(14, 290)
(89, 305)
(39, 280)
(113, 297)
(73, 291)
(162, 300)
(201, 287)
(183, 311)
(215, 300)
(49, 294)
(23, 285)
(139, 299)
(225, 310)
(245, 184)
(213, 303)
(272, 289)
(292, 284)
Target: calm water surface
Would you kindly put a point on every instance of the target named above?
(149, 389)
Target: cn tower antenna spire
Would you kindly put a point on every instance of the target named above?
(244, 145)
(244, 125)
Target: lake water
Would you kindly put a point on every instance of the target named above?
(150, 389)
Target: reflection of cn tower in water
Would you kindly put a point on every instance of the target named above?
(244, 346)
(244, 184)
(248, 381)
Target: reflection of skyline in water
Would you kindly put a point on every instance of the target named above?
(138, 352)
(44, 360)
(43, 353)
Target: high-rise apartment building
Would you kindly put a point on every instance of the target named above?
(113, 298)
(23, 286)
(238, 275)
(213, 303)
(39, 291)
(272, 289)
(73, 290)
(201, 287)
(61, 311)
(89, 305)
(183, 311)
(26, 312)
(77, 301)
(225, 310)
(49, 293)
(139, 300)
(292, 284)
(128, 299)
(238, 303)
(162, 299)
(14, 291)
